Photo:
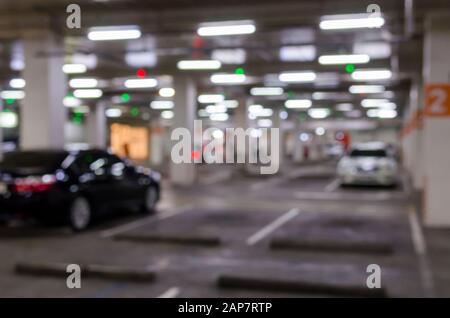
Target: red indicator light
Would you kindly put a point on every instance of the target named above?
(195, 154)
(141, 73)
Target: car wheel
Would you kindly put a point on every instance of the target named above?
(150, 199)
(79, 214)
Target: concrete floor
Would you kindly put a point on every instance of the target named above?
(243, 211)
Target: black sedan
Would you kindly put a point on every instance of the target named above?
(73, 187)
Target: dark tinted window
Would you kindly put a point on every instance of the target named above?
(33, 161)
(368, 153)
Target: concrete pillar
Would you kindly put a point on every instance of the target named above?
(412, 136)
(42, 111)
(185, 101)
(437, 120)
(156, 144)
(96, 126)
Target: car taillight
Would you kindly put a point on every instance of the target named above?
(34, 184)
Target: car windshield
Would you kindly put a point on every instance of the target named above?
(32, 161)
(368, 153)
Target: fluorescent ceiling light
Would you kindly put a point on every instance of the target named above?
(228, 78)
(263, 112)
(70, 101)
(215, 109)
(344, 107)
(390, 105)
(83, 83)
(87, 93)
(254, 108)
(367, 75)
(8, 120)
(90, 60)
(229, 56)
(226, 28)
(114, 33)
(167, 114)
(298, 103)
(141, 59)
(376, 50)
(373, 102)
(17, 83)
(265, 123)
(12, 94)
(199, 65)
(344, 59)
(297, 77)
(141, 83)
(381, 113)
(351, 21)
(161, 104)
(210, 98)
(166, 92)
(82, 109)
(318, 113)
(113, 112)
(74, 68)
(219, 117)
(266, 91)
(230, 103)
(302, 53)
(366, 89)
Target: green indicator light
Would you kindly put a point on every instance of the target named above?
(10, 101)
(239, 70)
(77, 118)
(349, 68)
(291, 94)
(134, 111)
(69, 94)
(125, 97)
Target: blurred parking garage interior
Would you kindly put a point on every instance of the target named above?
(358, 90)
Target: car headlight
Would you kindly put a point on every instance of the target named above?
(156, 176)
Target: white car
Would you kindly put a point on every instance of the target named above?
(368, 164)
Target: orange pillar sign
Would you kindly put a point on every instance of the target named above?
(437, 100)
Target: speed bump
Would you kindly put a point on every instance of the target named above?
(295, 286)
(87, 270)
(351, 246)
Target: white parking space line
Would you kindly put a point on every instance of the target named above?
(139, 223)
(420, 248)
(332, 186)
(170, 293)
(265, 231)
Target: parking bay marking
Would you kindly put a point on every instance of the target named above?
(332, 186)
(139, 223)
(170, 293)
(265, 231)
(421, 252)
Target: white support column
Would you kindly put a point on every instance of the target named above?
(185, 101)
(96, 126)
(42, 111)
(436, 128)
